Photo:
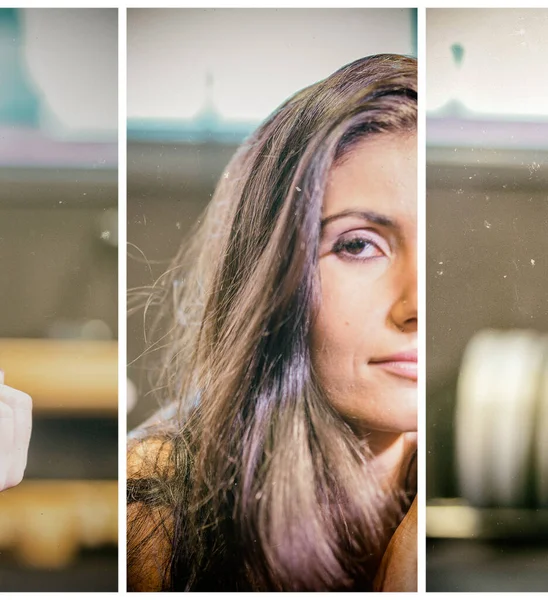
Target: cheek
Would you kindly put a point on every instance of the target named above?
(346, 325)
(351, 305)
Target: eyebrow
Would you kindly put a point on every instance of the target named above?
(371, 216)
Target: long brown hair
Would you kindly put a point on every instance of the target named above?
(267, 487)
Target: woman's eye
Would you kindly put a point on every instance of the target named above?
(357, 247)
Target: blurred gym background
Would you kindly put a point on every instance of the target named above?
(199, 82)
(487, 268)
(58, 305)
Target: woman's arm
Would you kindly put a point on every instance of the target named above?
(398, 570)
(15, 430)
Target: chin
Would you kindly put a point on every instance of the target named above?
(404, 426)
(395, 409)
(404, 419)
(401, 418)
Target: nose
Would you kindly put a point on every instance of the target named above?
(404, 309)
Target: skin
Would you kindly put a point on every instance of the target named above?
(368, 312)
(398, 570)
(368, 275)
(15, 431)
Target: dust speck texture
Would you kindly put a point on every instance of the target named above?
(487, 234)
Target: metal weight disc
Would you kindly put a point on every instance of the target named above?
(496, 416)
(512, 422)
(541, 440)
(473, 408)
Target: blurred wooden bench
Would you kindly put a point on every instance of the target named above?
(45, 523)
(64, 376)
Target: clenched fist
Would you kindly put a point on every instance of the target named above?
(15, 429)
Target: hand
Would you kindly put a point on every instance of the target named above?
(15, 430)
(398, 570)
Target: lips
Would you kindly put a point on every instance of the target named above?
(402, 364)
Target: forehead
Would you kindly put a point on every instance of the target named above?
(378, 174)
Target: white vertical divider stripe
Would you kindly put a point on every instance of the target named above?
(421, 281)
(122, 296)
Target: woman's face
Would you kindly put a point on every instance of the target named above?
(364, 338)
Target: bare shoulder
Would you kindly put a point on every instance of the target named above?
(149, 457)
(149, 521)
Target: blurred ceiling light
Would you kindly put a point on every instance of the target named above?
(19, 104)
(72, 56)
(247, 53)
(503, 66)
